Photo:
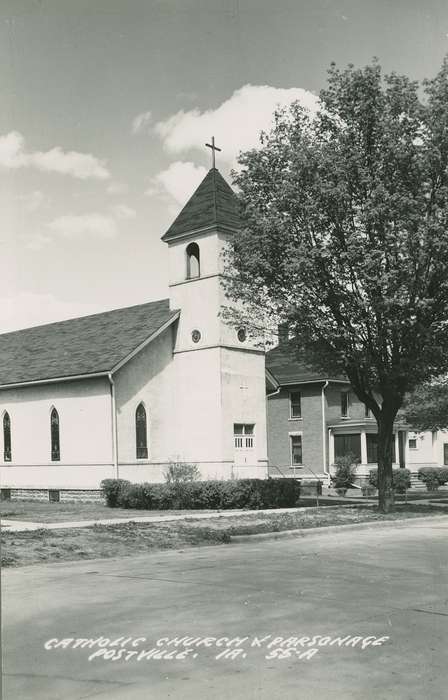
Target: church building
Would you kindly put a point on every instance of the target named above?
(127, 392)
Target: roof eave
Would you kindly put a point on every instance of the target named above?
(149, 339)
(224, 228)
(103, 373)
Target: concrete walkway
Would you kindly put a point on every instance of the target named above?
(8, 525)
(23, 526)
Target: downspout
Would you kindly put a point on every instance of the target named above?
(324, 432)
(114, 425)
(268, 396)
(273, 393)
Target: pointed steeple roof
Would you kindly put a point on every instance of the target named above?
(214, 203)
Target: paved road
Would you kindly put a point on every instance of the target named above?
(367, 585)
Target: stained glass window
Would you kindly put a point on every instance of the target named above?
(55, 444)
(141, 432)
(6, 438)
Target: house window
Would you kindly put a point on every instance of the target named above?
(412, 443)
(372, 448)
(296, 449)
(141, 432)
(344, 404)
(243, 435)
(193, 261)
(295, 405)
(348, 444)
(367, 412)
(445, 454)
(55, 444)
(54, 496)
(6, 437)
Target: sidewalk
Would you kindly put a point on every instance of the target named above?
(23, 526)
(8, 525)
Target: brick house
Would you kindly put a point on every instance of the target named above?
(314, 418)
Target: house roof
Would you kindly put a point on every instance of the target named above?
(80, 346)
(284, 364)
(214, 203)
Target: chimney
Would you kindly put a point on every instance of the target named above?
(283, 333)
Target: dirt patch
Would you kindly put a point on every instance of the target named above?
(103, 541)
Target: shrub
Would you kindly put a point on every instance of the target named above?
(433, 477)
(197, 495)
(181, 473)
(345, 471)
(401, 479)
(112, 489)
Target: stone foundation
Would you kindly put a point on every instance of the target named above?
(55, 495)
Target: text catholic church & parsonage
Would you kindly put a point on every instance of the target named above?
(127, 392)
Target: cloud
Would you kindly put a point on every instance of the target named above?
(141, 122)
(73, 226)
(83, 166)
(117, 188)
(179, 180)
(33, 201)
(236, 123)
(27, 309)
(122, 211)
(37, 241)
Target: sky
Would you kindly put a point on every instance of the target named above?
(107, 106)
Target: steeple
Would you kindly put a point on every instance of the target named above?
(213, 204)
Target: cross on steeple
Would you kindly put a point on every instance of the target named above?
(213, 148)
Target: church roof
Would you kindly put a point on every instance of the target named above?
(283, 363)
(81, 346)
(213, 203)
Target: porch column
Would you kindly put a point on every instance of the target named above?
(330, 448)
(363, 447)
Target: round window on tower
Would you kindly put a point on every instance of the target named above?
(196, 336)
(242, 335)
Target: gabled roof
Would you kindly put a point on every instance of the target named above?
(284, 364)
(81, 346)
(214, 203)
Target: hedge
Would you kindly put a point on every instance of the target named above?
(433, 477)
(197, 495)
(401, 479)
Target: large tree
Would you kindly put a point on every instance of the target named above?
(345, 236)
(426, 408)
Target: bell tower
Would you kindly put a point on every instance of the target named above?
(219, 376)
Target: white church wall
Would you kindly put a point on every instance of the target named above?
(199, 301)
(198, 410)
(244, 402)
(85, 428)
(146, 378)
(210, 262)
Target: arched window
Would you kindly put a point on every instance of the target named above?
(6, 437)
(55, 445)
(141, 432)
(193, 261)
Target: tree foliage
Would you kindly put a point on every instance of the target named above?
(426, 408)
(345, 235)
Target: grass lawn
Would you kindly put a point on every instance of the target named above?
(101, 541)
(45, 512)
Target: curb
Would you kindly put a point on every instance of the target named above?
(330, 529)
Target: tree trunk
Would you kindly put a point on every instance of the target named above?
(385, 438)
